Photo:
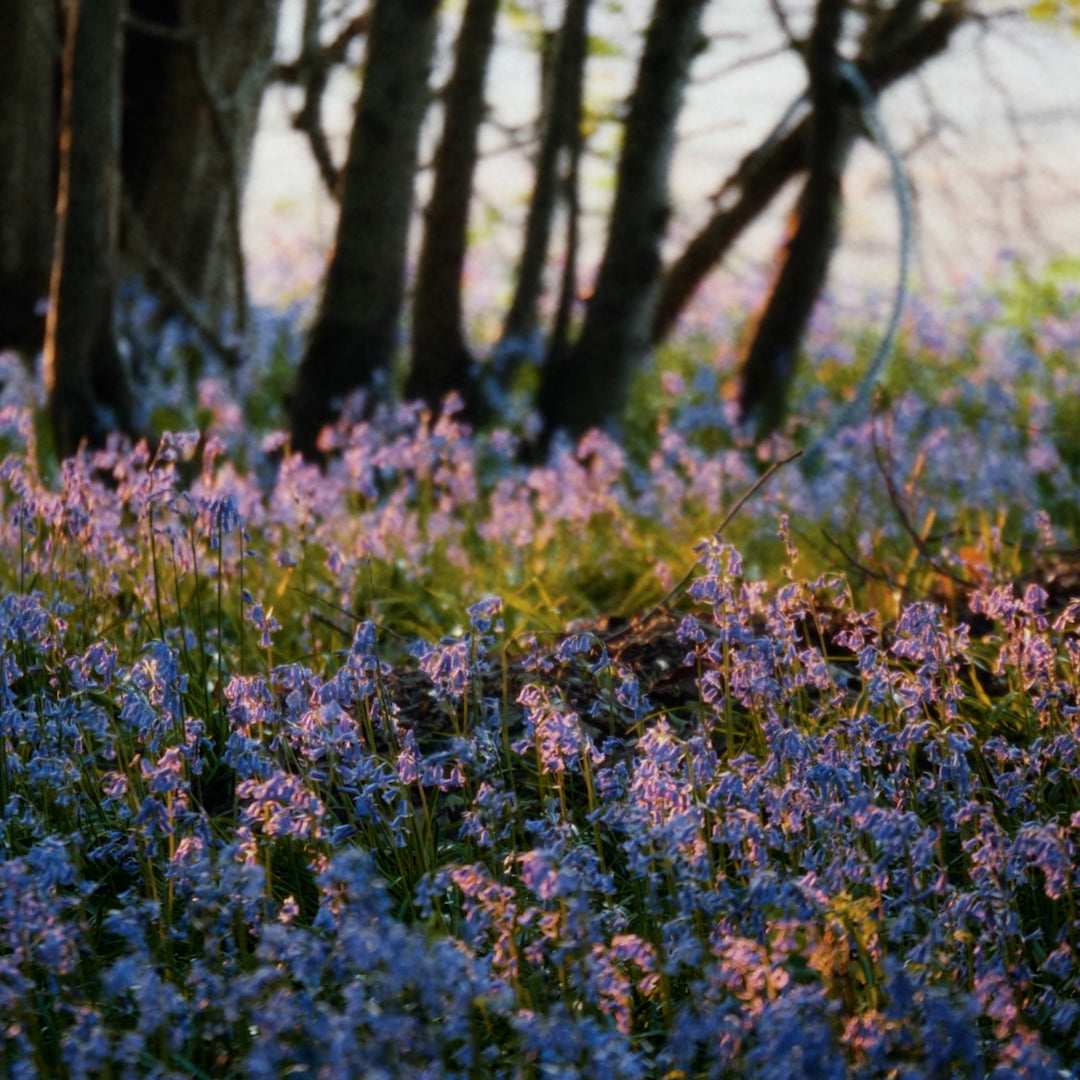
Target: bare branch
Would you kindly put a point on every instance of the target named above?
(763, 172)
(774, 467)
(332, 54)
(1021, 174)
(311, 72)
(780, 15)
(336, 52)
(918, 538)
(314, 75)
(746, 61)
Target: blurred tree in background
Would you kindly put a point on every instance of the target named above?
(356, 333)
(88, 393)
(441, 359)
(29, 76)
(138, 177)
(194, 73)
(130, 140)
(587, 380)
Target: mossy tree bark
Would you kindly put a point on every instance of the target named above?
(194, 76)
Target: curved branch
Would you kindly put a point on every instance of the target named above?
(332, 54)
(766, 170)
(311, 72)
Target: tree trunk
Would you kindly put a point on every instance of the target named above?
(355, 336)
(194, 73)
(559, 337)
(586, 384)
(194, 77)
(769, 364)
(29, 64)
(902, 46)
(85, 380)
(441, 358)
(562, 119)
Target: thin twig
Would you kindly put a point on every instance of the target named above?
(862, 568)
(906, 524)
(780, 16)
(743, 499)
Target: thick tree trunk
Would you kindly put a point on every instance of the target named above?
(897, 48)
(29, 63)
(769, 363)
(85, 380)
(441, 358)
(194, 74)
(562, 119)
(586, 384)
(194, 78)
(355, 336)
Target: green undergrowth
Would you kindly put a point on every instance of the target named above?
(670, 757)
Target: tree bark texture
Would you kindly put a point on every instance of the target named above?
(194, 77)
(29, 65)
(903, 45)
(587, 383)
(355, 337)
(84, 378)
(562, 120)
(768, 366)
(441, 358)
(561, 325)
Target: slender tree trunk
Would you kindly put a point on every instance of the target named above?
(562, 120)
(29, 64)
(559, 338)
(85, 380)
(441, 358)
(769, 364)
(585, 385)
(355, 337)
(194, 78)
(901, 45)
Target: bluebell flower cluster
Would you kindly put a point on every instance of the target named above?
(277, 799)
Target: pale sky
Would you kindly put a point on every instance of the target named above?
(980, 189)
